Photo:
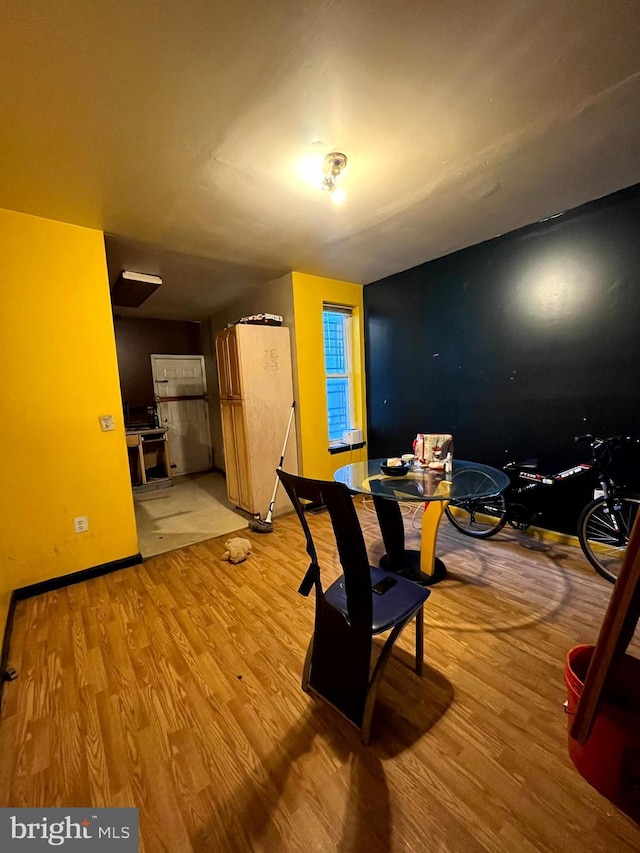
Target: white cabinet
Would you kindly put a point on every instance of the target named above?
(256, 392)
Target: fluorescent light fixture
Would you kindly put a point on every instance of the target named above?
(141, 276)
(131, 289)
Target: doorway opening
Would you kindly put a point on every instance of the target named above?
(179, 498)
(192, 506)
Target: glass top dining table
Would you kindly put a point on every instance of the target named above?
(467, 479)
(425, 485)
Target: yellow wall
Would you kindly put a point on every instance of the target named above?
(60, 373)
(309, 294)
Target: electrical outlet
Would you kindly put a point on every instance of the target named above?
(81, 524)
(106, 423)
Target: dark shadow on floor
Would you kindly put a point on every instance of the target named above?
(407, 707)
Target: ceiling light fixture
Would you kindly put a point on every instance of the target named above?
(332, 167)
(132, 288)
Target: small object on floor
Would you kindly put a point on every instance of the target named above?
(10, 674)
(238, 549)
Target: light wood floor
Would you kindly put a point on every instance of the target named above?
(174, 687)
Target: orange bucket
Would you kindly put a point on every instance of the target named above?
(610, 759)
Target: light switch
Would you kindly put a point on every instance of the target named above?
(106, 423)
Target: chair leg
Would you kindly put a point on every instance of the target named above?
(376, 678)
(420, 640)
(307, 666)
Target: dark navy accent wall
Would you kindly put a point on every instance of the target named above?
(514, 345)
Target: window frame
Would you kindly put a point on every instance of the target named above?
(347, 312)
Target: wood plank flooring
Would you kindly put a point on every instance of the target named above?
(174, 686)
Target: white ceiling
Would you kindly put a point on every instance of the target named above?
(178, 127)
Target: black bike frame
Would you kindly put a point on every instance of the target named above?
(524, 481)
(534, 479)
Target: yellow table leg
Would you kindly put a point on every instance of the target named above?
(431, 518)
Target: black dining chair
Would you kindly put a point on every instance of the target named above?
(362, 602)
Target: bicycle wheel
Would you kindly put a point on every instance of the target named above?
(603, 531)
(482, 516)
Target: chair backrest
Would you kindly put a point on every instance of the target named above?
(352, 550)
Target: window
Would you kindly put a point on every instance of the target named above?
(338, 372)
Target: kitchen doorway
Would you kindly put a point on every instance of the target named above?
(192, 506)
(196, 507)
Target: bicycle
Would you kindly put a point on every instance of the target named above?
(605, 522)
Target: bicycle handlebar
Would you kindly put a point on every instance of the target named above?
(599, 446)
(592, 439)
